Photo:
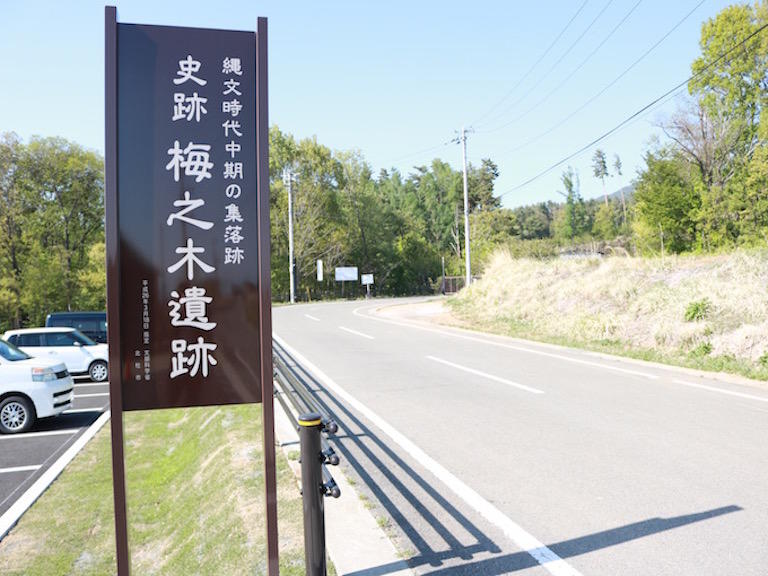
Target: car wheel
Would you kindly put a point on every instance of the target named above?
(16, 415)
(98, 371)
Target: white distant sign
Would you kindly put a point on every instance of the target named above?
(319, 270)
(346, 274)
(367, 279)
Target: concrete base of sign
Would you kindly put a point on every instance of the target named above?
(355, 542)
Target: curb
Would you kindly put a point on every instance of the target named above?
(355, 542)
(24, 503)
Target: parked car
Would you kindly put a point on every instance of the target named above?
(80, 354)
(30, 388)
(92, 324)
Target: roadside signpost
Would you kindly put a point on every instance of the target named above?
(187, 194)
(319, 270)
(345, 274)
(367, 281)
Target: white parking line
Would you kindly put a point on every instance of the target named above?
(20, 506)
(486, 375)
(548, 560)
(94, 395)
(721, 391)
(36, 434)
(81, 410)
(312, 317)
(357, 312)
(356, 332)
(90, 385)
(19, 469)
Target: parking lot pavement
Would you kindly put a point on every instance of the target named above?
(25, 457)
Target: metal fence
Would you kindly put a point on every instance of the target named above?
(313, 425)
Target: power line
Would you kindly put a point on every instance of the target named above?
(605, 88)
(557, 62)
(636, 114)
(573, 72)
(533, 66)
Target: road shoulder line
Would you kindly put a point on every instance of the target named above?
(524, 540)
(9, 519)
(356, 543)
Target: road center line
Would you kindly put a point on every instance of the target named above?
(550, 561)
(312, 317)
(19, 469)
(357, 312)
(21, 436)
(486, 375)
(356, 332)
(721, 390)
(95, 395)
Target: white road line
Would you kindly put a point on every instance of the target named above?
(527, 542)
(90, 385)
(721, 390)
(357, 312)
(17, 510)
(486, 375)
(312, 317)
(37, 434)
(95, 395)
(356, 332)
(19, 469)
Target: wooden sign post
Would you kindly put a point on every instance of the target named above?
(187, 197)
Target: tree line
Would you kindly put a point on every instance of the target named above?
(704, 187)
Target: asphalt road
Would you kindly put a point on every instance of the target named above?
(25, 457)
(486, 455)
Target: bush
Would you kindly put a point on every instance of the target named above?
(698, 310)
(703, 349)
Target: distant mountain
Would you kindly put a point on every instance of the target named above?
(628, 190)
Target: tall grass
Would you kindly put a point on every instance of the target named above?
(706, 311)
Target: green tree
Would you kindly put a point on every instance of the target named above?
(600, 170)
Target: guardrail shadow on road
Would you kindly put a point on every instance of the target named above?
(454, 546)
(401, 491)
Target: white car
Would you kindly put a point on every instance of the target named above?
(80, 354)
(30, 388)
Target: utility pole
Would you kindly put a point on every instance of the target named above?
(467, 256)
(288, 178)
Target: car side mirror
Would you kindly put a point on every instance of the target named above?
(78, 344)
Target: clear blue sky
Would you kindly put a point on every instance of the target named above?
(389, 78)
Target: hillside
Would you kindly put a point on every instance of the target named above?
(708, 312)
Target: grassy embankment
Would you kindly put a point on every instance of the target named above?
(705, 312)
(195, 490)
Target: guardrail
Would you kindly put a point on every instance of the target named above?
(313, 425)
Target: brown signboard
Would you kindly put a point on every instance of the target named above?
(187, 217)
(187, 229)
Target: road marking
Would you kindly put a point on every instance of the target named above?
(356, 332)
(721, 390)
(357, 312)
(17, 510)
(19, 469)
(36, 434)
(95, 395)
(312, 317)
(82, 410)
(527, 542)
(486, 375)
(90, 385)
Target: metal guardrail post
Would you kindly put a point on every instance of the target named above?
(313, 491)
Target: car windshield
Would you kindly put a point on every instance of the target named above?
(11, 353)
(82, 338)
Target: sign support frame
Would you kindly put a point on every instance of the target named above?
(114, 292)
